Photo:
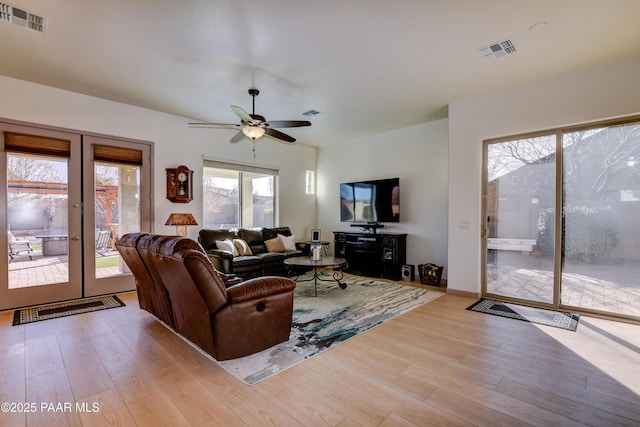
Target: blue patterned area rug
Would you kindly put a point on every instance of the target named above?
(558, 319)
(333, 317)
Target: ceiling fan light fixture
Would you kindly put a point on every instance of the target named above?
(253, 132)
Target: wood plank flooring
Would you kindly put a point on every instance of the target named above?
(437, 365)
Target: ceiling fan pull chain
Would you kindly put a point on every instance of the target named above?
(254, 149)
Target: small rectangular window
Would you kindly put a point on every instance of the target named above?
(310, 182)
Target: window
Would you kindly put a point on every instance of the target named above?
(310, 182)
(236, 195)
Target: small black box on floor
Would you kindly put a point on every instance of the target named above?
(430, 274)
(408, 274)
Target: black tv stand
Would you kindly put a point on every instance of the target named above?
(369, 227)
(373, 255)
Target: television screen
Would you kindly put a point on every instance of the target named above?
(370, 201)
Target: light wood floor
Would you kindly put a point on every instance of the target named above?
(437, 365)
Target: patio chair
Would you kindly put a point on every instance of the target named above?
(17, 247)
(102, 241)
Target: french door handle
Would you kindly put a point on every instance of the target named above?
(75, 238)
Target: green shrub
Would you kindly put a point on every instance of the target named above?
(593, 233)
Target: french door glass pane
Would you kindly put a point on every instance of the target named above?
(37, 215)
(601, 259)
(520, 218)
(117, 207)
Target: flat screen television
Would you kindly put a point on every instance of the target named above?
(370, 201)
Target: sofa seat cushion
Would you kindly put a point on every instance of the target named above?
(289, 254)
(271, 257)
(246, 260)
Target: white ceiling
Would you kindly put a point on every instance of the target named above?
(368, 65)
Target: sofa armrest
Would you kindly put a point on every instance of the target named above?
(220, 253)
(259, 287)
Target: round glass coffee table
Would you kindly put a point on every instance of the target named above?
(323, 262)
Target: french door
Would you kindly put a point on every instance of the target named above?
(65, 199)
(562, 218)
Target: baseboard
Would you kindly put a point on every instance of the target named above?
(468, 294)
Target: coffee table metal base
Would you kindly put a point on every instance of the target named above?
(325, 262)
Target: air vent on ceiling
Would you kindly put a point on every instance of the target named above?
(497, 50)
(22, 18)
(311, 113)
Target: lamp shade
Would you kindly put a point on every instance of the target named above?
(181, 219)
(253, 132)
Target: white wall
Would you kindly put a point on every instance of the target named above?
(174, 144)
(599, 93)
(418, 155)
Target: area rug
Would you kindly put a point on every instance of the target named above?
(65, 308)
(558, 319)
(333, 317)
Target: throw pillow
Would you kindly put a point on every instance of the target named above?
(289, 242)
(242, 247)
(274, 245)
(227, 245)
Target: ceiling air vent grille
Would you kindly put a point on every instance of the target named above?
(497, 50)
(22, 18)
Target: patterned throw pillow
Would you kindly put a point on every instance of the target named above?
(242, 247)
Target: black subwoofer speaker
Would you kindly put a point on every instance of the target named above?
(408, 274)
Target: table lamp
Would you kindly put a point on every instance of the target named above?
(181, 220)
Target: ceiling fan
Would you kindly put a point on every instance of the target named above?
(254, 126)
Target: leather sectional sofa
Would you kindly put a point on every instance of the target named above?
(265, 255)
(223, 315)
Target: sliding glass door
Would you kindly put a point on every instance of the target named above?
(520, 191)
(562, 218)
(601, 221)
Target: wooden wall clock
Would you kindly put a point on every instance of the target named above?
(180, 184)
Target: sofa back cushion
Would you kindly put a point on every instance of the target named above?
(254, 239)
(207, 238)
(272, 233)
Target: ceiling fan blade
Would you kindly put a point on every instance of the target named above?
(288, 123)
(244, 116)
(282, 137)
(257, 117)
(207, 125)
(237, 137)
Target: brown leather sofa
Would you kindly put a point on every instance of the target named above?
(260, 262)
(177, 283)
